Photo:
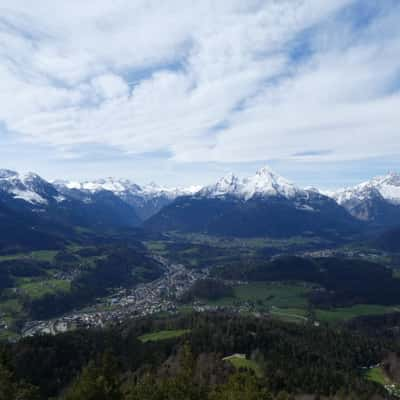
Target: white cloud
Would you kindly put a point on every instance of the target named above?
(109, 86)
(202, 80)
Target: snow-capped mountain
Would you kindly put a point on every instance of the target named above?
(377, 200)
(109, 184)
(32, 192)
(387, 186)
(263, 204)
(31, 195)
(118, 186)
(152, 189)
(265, 183)
(30, 188)
(147, 200)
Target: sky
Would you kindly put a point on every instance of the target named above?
(181, 92)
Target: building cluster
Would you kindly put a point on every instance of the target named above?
(145, 299)
(349, 253)
(393, 389)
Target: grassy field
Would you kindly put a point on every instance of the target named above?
(377, 375)
(347, 313)
(36, 289)
(156, 246)
(162, 335)
(40, 255)
(10, 307)
(297, 315)
(246, 243)
(239, 362)
(199, 250)
(44, 255)
(289, 302)
(49, 255)
(264, 296)
(272, 294)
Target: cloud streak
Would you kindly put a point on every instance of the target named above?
(203, 81)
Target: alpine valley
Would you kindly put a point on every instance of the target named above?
(250, 288)
(134, 266)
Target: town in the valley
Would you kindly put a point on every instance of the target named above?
(145, 299)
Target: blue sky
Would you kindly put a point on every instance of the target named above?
(182, 92)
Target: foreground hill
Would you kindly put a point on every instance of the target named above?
(195, 357)
(265, 204)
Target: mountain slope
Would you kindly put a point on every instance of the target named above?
(103, 210)
(376, 201)
(389, 240)
(146, 200)
(264, 204)
(21, 230)
(25, 226)
(33, 211)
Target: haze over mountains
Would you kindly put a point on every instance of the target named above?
(262, 204)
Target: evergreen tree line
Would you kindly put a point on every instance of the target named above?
(115, 364)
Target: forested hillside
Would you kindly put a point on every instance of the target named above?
(269, 360)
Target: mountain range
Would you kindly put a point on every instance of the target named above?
(265, 204)
(376, 201)
(259, 205)
(146, 200)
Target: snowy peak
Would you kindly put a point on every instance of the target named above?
(108, 184)
(265, 183)
(229, 185)
(30, 187)
(146, 200)
(125, 187)
(364, 200)
(154, 190)
(7, 174)
(267, 172)
(38, 185)
(359, 193)
(386, 187)
(393, 179)
(376, 200)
